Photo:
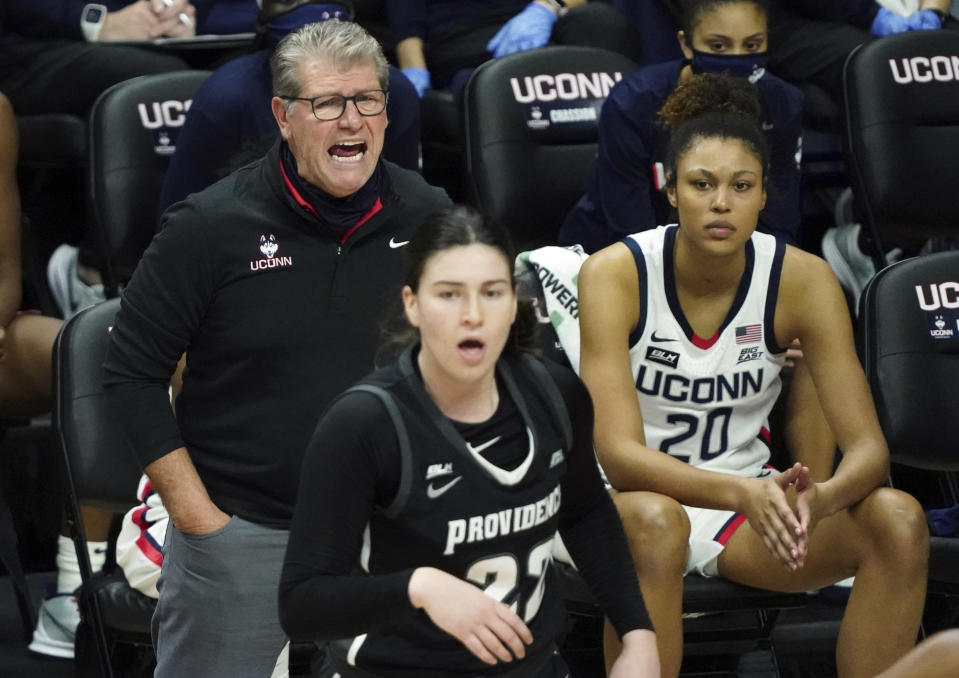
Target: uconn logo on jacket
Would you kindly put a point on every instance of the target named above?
(563, 98)
(269, 247)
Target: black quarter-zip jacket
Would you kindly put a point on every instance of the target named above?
(277, 316)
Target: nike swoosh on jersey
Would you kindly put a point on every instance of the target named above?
(483, 446)
(434, 492)
(655, 338)
(394, 244)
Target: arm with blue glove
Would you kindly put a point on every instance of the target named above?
(888, 23)
(409, 53)
(529, 29)
(929, 17)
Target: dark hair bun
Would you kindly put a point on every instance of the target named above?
(710, 93)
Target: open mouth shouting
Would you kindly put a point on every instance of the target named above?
(348, 151)
(472, 350)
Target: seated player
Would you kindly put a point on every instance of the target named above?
(683, 336)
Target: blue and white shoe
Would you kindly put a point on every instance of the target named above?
(70, 293)
(56, 626)
(853, 267)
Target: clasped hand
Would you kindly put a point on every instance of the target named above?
(890, 23)
(148, 19)
(783, 528)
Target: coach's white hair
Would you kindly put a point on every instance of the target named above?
(341, 43)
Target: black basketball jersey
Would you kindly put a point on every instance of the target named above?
(456, 511)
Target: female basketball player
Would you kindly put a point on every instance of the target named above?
(432, 492)
(683, 332)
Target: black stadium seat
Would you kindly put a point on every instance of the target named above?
(101, 471)
(52, 140)
(133, 131)
(909, 347)
(902, 127)
(531, 122)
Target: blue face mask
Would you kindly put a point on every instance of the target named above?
(305, 14)
(750, 66)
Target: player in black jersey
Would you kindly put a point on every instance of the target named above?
(431, 492)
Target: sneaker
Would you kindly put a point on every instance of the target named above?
(70, 293)
(56, 626)
(844, 209)
(853, 267)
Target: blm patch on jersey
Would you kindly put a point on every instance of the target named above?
(662, 356)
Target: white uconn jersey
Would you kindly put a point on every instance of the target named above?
(706, 401)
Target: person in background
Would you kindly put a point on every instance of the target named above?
(822, 43)
(810, 39)
(26, 339)
(271, 282)
(440, 42)
(26, 350)
(56, 56)
(626, 193)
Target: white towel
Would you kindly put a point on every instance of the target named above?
(557, 269)
(900, 7)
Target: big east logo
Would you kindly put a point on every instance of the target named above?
(163, 113)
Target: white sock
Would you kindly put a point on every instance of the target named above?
(68, 569)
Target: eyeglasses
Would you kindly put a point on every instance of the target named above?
(332, 106)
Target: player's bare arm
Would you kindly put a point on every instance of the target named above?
(811, 306)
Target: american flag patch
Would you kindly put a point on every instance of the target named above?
(749, 334)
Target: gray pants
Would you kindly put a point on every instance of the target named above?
(217, 612)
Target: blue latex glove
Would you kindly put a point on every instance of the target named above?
(529, 29)
(924, 20)
(420, 77)
(889, 23)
